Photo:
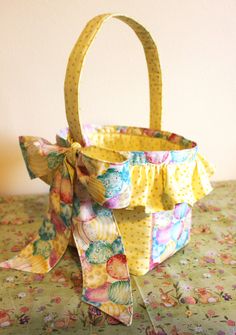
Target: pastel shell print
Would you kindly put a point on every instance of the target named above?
(177, 230)
(117, 246)
(96, 276)
(138, 158)
(117, 268)
(121, 200)
(162, 219)
(99, 252)
(42, 248)
(119, 292)
(100, 228)
(181, 211)
(83, 238)
(99, 294)
(169, 250)
(113, 309)
(163, 235)
(158, 157)
(66, 212)
(112, 182)
(179, 156)
(183, 239)
(158, 250)
(47, 230)
(101, 211)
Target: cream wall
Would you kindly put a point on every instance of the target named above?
(197, 47)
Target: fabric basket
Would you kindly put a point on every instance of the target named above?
(124, 194)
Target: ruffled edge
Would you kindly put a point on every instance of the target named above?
(166, 180)
(169, 185)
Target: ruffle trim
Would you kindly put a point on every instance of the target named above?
(161, 187)
(160, 179)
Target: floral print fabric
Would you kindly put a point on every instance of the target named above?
(193, 292)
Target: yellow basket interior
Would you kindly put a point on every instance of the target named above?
(137, 142)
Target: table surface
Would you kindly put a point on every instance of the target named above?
(193, 292)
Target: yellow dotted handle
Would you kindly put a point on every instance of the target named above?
(75, 64)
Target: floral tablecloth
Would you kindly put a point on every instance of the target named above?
(193, 292)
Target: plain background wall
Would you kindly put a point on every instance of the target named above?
(197, 48)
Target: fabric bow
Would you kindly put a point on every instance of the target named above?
(84, 188)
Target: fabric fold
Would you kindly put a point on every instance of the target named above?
(159, 187)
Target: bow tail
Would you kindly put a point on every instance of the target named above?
(106, 280)
(51, 241)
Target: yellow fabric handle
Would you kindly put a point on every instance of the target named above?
(75, 64)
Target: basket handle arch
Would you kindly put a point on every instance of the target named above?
(76, 61)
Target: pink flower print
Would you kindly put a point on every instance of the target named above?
(211, 313)
(219, 288)
(56, 300)
(158, 317)
(38, 277)
(24, 309)
(137, 316)
(189, 300)
(58, 276)
(208, 259)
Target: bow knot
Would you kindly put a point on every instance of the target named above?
(72, 153)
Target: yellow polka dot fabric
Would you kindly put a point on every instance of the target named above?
(136, 231)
